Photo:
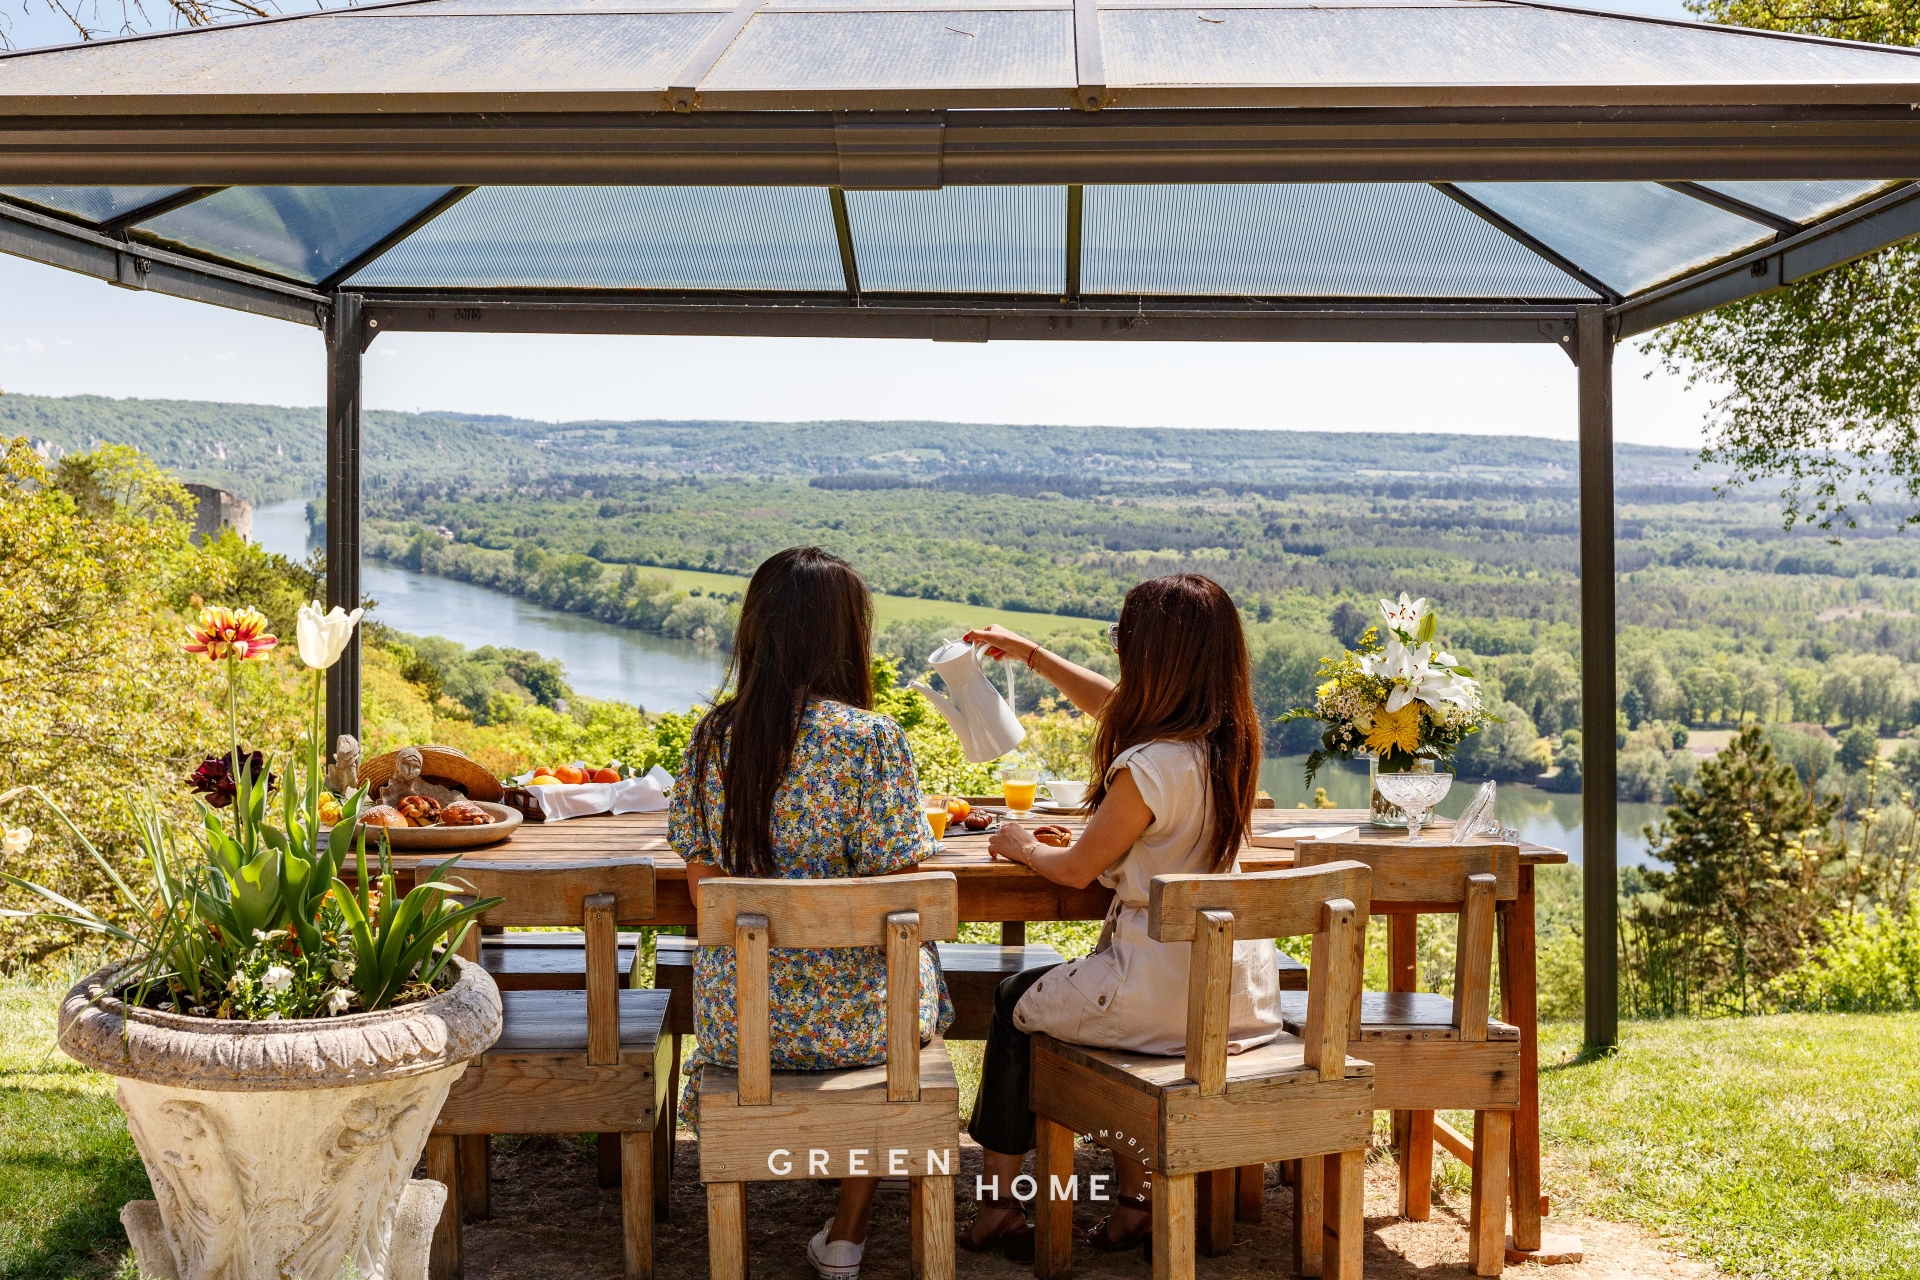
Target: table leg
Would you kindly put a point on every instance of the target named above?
(1411, 1130)
(1013, 933)
(1520, 1006)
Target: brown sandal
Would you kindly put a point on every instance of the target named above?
(1009, 1224)
(1104, 1235)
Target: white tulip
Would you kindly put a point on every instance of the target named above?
(337, 1002)
(14, 840)
(277, 979)
(322, 637)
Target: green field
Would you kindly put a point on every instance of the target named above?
(891, 609)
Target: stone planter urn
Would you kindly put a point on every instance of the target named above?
(282, 1150)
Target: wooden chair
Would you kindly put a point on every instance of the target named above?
(1431, 1053)
(566, 1061)
(1202, 1117)
(761, 1125)
(547, 961)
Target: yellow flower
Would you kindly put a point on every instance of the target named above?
(1396, 730)
(230, 633)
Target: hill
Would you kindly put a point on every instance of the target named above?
(266, 452)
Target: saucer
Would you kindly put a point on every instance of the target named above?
(1048, 806)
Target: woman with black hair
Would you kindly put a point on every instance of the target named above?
(795, 776)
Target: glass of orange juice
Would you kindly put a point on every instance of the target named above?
(1019, 785)
(935, 807)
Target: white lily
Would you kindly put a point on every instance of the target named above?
(322, 637)
(1404, 616)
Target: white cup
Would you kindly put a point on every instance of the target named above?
(1068, 795)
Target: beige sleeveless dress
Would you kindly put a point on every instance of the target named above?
(1132, 994)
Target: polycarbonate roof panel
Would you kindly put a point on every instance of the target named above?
(904, 49)
(307, 233)
(377, 51)
(961, 240)
(1633, 235)
(1350, 240)
(727, 238)
(1455, 44)
(90, 204)
(537, 8)
(1798, 201)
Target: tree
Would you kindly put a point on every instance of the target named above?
(1745, 846)
(93, 19)
(1857, 746)
(1822, 379)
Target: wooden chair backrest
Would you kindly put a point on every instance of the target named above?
(1464, 878)
(592, 896)
(1406, 872)
(1329, 902)
(895, 912)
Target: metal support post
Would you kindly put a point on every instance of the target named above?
(344, 345)
(1599, 803)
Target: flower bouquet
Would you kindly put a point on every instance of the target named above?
(1397, 702)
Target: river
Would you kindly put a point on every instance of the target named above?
(604, 661)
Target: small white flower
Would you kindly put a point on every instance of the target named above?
(260, 935)
(277, 979)
(272, 1017)
(337, 1002)
(14, 840)
(342, 969)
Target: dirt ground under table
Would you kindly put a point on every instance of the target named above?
(551, 1221)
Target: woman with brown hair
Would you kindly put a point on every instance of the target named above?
(795, 776)
(1176, 765)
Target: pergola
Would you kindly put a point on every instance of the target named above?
(973, 171)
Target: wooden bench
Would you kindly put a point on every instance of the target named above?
(547, 961)
(973, 971)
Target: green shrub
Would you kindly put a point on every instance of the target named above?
(1866, 965)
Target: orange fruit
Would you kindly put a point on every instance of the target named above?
(605, 775)
(957, 809)
(544, 771)
(568, 774)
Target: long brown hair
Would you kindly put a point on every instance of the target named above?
(806, 632)
(1184, 676)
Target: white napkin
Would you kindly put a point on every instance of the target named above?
(645, 794)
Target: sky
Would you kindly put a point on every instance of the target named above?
(65, 334)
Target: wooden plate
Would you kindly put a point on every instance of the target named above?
(413, 839)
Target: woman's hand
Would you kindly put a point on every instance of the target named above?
(1012, 842)
(1001, 642)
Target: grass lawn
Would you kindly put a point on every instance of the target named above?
(1773, 1147)
(890, 609)
(1781, 1146)
(66, 1162)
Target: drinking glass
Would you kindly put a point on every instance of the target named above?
(1414, 794)
(935, 807)
(1019, 785)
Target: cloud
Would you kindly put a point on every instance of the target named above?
(225, 357)
(38, 348)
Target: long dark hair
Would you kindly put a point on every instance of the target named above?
(806, 632)
(1184, 675)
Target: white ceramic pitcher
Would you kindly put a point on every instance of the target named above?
(986, 725)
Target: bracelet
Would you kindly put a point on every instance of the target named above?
(1030, 652)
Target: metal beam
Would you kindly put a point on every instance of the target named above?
(1000, 147)
(35, 236)
(1526, 238)
(1076, 218)
(1599, 803)
(346, 339)
(1873, 226)
(843, 232)
(1738, 208)
(117, 227)
(385, 244)
(879, 316)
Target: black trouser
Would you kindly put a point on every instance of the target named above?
(1003, 1113)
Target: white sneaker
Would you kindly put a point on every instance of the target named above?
(834, 1260)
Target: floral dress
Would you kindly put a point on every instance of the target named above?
(850, 806)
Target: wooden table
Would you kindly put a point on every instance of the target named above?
(1013, 895)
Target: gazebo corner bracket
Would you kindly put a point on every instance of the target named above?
(1090, 63)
